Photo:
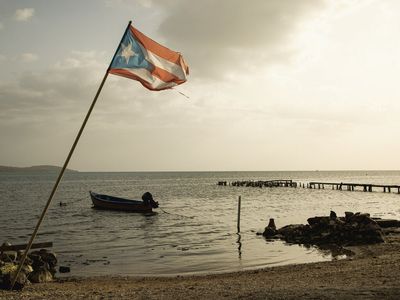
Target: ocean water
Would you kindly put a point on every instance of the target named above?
(196, 231)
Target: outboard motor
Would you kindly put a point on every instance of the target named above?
(148, 200)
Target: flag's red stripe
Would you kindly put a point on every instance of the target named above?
(155, 47)
(127, 74)
(166, 76)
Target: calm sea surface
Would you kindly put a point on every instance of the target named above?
(197, 232)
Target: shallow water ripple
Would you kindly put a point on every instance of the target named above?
(196, 233)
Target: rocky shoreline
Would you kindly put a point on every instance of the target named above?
(39, 266)
(373, 272)
(349, 230)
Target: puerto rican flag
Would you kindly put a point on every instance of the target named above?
(140, 58)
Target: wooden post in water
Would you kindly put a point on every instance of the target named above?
(238, 218)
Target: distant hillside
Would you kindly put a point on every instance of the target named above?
(43, 168)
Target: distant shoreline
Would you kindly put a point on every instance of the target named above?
(40, 168)
(51, 168)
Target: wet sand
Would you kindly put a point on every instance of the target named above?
(372, 273)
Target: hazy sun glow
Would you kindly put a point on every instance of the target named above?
(278, 85)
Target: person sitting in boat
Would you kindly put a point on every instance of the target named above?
(148, 200)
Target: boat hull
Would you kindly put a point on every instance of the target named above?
(114, 203)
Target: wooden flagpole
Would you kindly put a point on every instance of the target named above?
(66, 163)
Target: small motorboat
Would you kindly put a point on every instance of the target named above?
(114, 203)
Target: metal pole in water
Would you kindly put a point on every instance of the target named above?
(238, 218)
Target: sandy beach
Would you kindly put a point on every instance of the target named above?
(372, 273)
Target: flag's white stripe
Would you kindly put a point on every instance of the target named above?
(167, 65)
(163, 63)
(155, 82)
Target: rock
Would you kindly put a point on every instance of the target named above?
(361, 218)
(64, 269)
(391, 230)
(8, 268)
(6, 244)
(348, 214)
(353, 229)
(386, 223)
(271, 223)
(19, 283)
(37, 261)
(49, 257)
(39, 266)
(318, 220)
(40, 275)
(270, 230)
(279, 236)
(8, 256)
(8, 272)
(295, 233)
(53, 271)
(27, 269)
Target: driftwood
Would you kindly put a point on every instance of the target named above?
(23, 246)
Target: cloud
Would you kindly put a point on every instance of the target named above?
(233, 36)
(29, 57)
(128, 3)
(1, 26)
(24, 14)
(2, 58)
(43, 110)
(59, 85)
(63, 92)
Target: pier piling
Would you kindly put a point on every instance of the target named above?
(366, 187)
(238, 218)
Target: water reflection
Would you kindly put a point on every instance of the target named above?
(194, 232)
(238, 241)
(333, 250)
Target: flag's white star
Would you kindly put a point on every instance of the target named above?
(127, 51)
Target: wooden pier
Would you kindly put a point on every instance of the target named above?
(366, 187)
(260, 183)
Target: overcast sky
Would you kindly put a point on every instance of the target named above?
(273, 85)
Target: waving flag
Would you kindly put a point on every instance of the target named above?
(137, 57)
(140, 58)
